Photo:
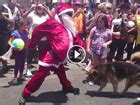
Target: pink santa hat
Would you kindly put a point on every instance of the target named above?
(63, 8)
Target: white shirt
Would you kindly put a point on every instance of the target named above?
(36, 20)
(129, 24)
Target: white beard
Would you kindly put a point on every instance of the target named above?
(69, 24)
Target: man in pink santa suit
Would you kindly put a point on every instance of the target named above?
(60, 34)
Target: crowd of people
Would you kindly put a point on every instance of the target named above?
(50, 29)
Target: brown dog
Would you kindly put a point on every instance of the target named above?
(135, 57)
(114, 72)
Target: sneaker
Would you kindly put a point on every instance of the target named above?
(88, 66)
(22, 78)
(87, 69)
(71, 89)
(13, 82)
(29, 73)
(28, 98)
(90, 83)
(21, 100)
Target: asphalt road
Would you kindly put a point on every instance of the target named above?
(50, 92)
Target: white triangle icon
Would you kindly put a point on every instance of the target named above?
(76, 54)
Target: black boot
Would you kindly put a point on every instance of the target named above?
(71, 89)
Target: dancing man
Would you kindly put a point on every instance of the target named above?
(60, 33)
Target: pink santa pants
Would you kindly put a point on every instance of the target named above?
(37, 80)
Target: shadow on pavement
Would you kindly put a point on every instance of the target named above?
(56, 97)
(111, 95)
(4, 71)
(136, 103)
(9, 84)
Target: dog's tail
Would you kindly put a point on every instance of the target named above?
(135, 57)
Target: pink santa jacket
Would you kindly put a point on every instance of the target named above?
(58, 37)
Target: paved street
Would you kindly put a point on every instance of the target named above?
(50, 92)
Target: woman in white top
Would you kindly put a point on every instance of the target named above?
(35, 15)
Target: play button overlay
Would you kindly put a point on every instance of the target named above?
(76, 54)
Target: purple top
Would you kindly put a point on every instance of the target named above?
(98, 39)
(23, 36)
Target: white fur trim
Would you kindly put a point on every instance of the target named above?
(65, 11)
(70, 38)
(70, 44)
(57, 18)
(49, 65)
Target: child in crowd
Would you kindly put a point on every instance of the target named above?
(98, 41)
(20, 56)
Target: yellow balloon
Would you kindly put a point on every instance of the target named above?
(18, 44)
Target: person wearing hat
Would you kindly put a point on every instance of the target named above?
(61, 34)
